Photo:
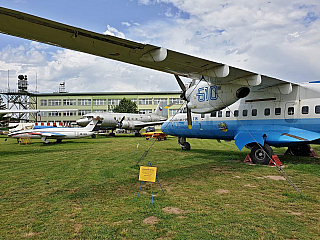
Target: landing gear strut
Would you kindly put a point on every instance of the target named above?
(185, 146)
(137, 134)
(261, 154)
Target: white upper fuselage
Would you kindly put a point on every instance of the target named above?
(129, 120)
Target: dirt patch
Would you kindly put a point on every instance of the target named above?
(151, 220)
(295, 213)
(173, 210)
(222, 191)
(30, 234)
(77, 227)
(249, 185)
(277, 178)
(236, 177)
(128, 221)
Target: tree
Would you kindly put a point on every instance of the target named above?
(126, 106)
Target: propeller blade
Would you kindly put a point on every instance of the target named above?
(182, 86)
(189, 118)
(122, 119)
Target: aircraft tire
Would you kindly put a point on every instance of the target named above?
(261, 155)
(300, 150)
(186, 146)
(93, 136)
(59, 140)
(137, 134)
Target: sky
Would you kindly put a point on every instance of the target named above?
(279, 38)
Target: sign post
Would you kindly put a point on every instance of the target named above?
(148, 174)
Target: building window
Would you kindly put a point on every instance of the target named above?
(69, 102)
(69, 113)
(220, 114)
(83, 112)
(134, 100)
(267, 111)
(305, 110)
(84, 102)
(54, 102)
(317, 109)
(54, 114)
(227, 113)
(277, 111)
(290, 110)
(236, 113)
(145, 111)
(114, 102)
(173, 111)
(244, 112)
(99, 102)
(213, 114)
(42, 114)
(43, 103)
(254, 112)
(99, 111)
(145, 101)
(176, 100)
(157, 100)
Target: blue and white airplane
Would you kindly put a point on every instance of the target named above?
(227, 103)
(58, 133)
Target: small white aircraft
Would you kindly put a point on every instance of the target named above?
(228, 103)
(58, 133)
(131, 121)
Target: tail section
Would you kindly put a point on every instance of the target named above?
(160, 110)
(94, 125)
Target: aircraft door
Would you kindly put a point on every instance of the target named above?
(291, 112)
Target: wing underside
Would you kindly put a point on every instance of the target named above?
(50, 32)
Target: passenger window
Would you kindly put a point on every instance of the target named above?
(213, 114)
(220, 114)
(277, 111)
(317, 109)
(267, 111)
(236, 113)
(202, 115)
(305, 110)
(290, 110)
(254, 112)
(245, 112)
(227, 113)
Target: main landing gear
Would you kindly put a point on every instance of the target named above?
(303, 150)
(137, 134)
(261, 154)
(185, 146)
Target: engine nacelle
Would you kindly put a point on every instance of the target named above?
(206, 98)
(129, 125)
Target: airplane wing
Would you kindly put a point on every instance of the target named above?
(147, 124)
(50, 32)
(48, 134)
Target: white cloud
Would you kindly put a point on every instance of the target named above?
(126, 24)
(113, 32)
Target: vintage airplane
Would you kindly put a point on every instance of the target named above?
(256, 111)
(130, 121)
(58, 133)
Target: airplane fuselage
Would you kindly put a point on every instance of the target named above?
(276, 119)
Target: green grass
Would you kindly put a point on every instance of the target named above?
(87, 189)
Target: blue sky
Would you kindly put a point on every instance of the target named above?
(276, 38)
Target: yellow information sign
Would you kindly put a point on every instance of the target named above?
(147, 174)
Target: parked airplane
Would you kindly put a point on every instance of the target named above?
(46, 133)
(270, 112)
(131, 121)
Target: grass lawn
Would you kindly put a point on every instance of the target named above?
(87, 189)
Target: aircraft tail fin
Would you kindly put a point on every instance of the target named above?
(160, 109)
(94, 125)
